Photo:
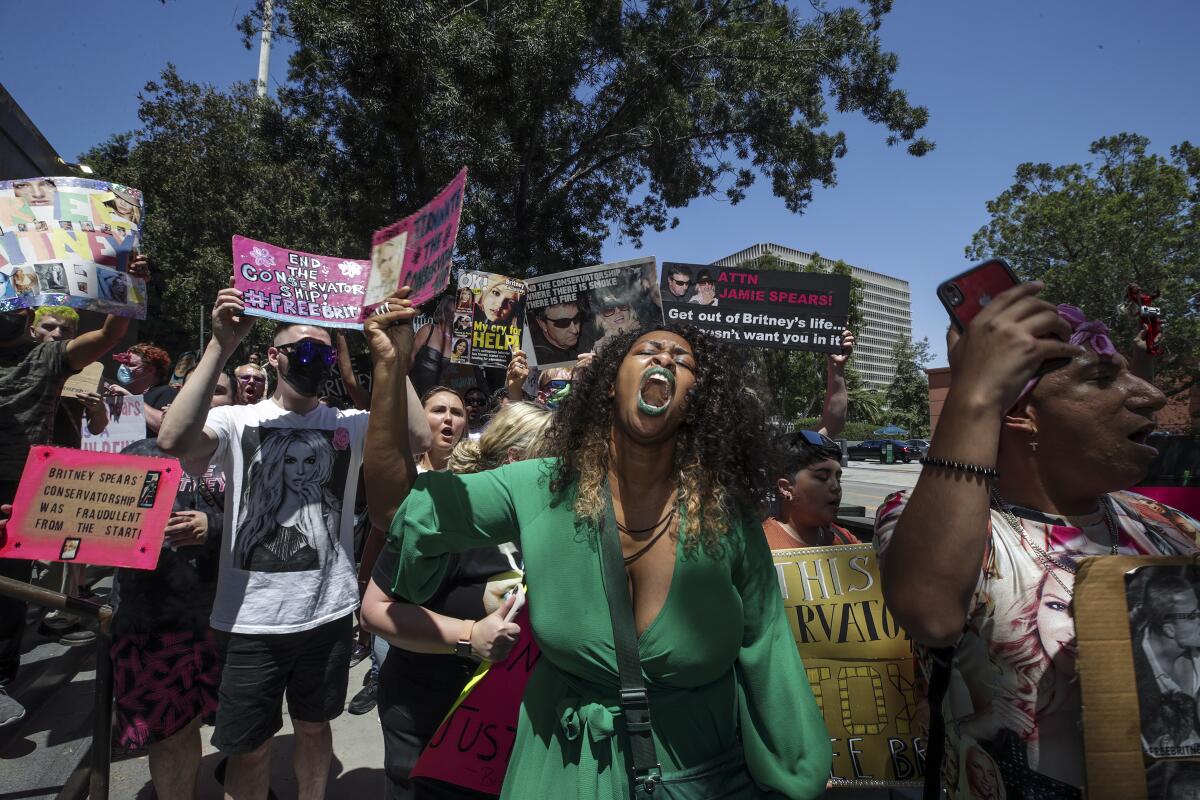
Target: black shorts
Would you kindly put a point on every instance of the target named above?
(312, 666)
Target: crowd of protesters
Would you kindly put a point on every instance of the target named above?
(398, 520)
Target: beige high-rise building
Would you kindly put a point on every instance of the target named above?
(886, 307)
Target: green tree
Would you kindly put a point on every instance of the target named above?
(907, 398)
(576, 118)
(1088, 230)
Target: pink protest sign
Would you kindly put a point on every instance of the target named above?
(472, 746)
(293, 286)
(416, 250)
(94, 508)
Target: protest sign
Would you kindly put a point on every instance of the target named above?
(69, 242)
(85, 381)
(760, 308)
(859, 663)
(94, 508)
(333, 388)
(416, 251)
(489, 310)
(575, 312)
(293, 286)
(1138, 736)
(472, 746)
(126, 425)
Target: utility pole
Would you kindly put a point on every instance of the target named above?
(264, 47)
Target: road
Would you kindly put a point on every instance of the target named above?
(868, 483)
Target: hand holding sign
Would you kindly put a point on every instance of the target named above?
(230, 323)
(186, 528)
(389, 330)
(492, 638)
(838, 360)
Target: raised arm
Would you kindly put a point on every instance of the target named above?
(833, 410)
(89, 347)
(931, 564)
(389, 465)
(358, 396)
(183, 434)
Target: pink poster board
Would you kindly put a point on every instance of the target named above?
(473, 744)
(416, 250)
(94, 508)
(294, 286)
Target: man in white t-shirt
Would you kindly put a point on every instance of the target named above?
(287, 587)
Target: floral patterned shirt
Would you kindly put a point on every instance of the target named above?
(1013, 706)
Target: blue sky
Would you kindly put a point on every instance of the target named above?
(1004, 82)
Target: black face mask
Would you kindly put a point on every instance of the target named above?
(305, 379)
(12, 325)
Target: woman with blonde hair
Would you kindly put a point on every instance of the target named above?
(436, 646)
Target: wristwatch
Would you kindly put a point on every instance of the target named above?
(463, 647)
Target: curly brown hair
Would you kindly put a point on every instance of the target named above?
(721, 452)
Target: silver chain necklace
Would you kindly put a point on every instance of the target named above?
(1048, 562)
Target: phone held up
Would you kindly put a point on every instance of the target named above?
(965, 295)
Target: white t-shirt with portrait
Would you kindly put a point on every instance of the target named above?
(287, 554)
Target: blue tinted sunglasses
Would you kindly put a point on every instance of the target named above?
(817, 439)
(307, 351)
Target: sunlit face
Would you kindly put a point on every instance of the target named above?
(816, 494)
(561, 324)
(251, 384)
(1092, 418)
(1184, 623)
(36, 193)
(498, 302)
(299, 465)
(678, 283)
(223, 392)
(616, 319)
(279, 358)
(1055, 621)
(650, 393)
(53, 329)
(447, 420)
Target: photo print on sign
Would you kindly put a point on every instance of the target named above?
(493, 308)
(290, 509)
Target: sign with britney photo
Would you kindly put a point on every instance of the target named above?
(488, 312)
(761, 308)
(94, 508)
(69, 242)
(335, 292)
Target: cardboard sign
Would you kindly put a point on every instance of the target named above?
(1139, 737)
(94, 508)
(416, 251)
(85, 381)
(489, 310)
(575, 312)
(126, 425)
(759, 308)
(859, 664)
(294, 286)
(69, 242)
(472, 745)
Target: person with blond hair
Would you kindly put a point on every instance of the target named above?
(426, 668)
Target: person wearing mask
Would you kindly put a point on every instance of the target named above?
(809, 487)
(286, 588)
(32, 374)
(425, 670)
(636, 467)
(61, 324)
(144, 370)
(252, 384)
(165, 664)
(1043, 428)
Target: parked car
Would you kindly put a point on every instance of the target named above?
(875, 448)
(919, 446)
(1174, 477)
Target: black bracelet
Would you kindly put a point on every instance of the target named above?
(988, 473)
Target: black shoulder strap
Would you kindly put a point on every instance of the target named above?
(935, 753)
(635, 703)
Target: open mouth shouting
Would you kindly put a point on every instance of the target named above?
(656, 391)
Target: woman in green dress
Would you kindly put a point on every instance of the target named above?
(666, 429)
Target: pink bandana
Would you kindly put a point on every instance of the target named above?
(1084, 333)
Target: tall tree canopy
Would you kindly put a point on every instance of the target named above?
(1088, 230)
(908, 397)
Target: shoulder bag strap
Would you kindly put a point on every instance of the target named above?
(939, 682)
(635, 703)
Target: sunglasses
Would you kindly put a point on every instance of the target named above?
(565, 322)
(553, 386)
(817, 439)
(251, 379)
(307, 351)
(678, 282)
(475, 400)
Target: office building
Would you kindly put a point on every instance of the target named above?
(886, 307)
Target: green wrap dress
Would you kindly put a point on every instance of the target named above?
(719, 660)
